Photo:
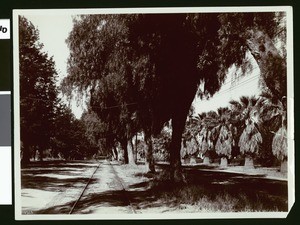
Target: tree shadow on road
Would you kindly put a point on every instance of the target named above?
(54, 176)
(203, 191)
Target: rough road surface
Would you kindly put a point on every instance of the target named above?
(104, 187)
(80, 188)
(106, 193)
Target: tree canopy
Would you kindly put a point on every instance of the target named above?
(140, 70)
(37, 89)
(133, 59)
(264, 36)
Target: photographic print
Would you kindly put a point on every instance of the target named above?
(151, 112)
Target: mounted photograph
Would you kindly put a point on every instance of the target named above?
(147, 113)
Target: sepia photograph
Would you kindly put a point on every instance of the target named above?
(153, 113)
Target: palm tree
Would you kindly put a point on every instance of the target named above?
(225, 132)
(246, 110)
(275, 109)
(190, 146)
(205, 135)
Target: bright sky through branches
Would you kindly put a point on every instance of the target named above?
(55, 45)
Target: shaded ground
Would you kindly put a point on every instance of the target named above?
(48, 184)
(54, 188)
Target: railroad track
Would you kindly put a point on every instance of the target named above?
(125, 191)
(118, 179)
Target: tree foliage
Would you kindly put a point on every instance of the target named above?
(38, 93)
(141, 70)
(69, 140)
(274, 111)
(225, 132)
(247, 110)
(134, 57)
(279, 144)
(259, 35)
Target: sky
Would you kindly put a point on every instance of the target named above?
(54, 30)
(233, 88)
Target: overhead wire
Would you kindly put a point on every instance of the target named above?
(110, 107)
(242, 83)
(238, 85)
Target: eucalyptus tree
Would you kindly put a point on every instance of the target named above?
(138, 63)
(102, 65)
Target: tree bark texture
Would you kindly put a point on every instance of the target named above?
(175, 146)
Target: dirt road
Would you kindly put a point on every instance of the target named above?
(74, 188)
(103, 187)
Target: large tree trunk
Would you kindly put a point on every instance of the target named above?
(187, 88)
(149, 162)
(175, 162)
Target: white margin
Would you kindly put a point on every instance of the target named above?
(290, 110)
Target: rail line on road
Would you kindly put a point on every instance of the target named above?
(125, 191)
(87, 184)
(119, 180)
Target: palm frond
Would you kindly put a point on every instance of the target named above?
(250, 140)
(225, 142)
(279, 144)
(244, 101)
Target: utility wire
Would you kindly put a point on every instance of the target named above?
(136, 103)
(110, 107)
(228, 90)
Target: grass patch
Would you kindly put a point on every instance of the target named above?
(220, 192)
(195, 198)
